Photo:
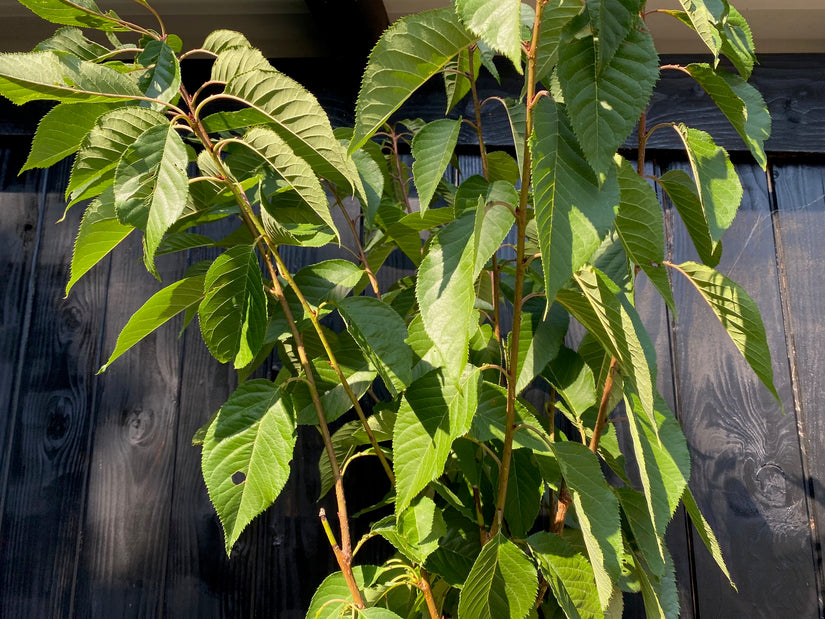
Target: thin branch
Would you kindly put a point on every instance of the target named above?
(602, 416)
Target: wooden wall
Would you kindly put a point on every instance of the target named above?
(103, 512)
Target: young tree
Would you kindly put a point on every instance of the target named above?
(496, 511)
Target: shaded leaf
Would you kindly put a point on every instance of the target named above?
(432, 148)
(557, 14)
(83, 13)
(73, 41)
(706, 533)
(233, 312)
(540, 336)
(612, 20)
(524, 490)
(497, 23)
(162, 79)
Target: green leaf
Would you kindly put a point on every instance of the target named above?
(705, 15)
(572, 212)
(456, 83)
(61, 132)
(489, 420)
(233, 312)
(433, 413)
(502, 584)
(380, 332)
(740, 102)
(162, 79)
(597, 510)
(706, 533)
(737, 43)
(557, 14)
(457, 549)
(410, 52)
(72, 40)
(446, 293)
(720, 190)
(524, 490)
(297, 117)
(114, 132)
(641, 228)
(739, 315)
(82, 13)
(418, 530)
(659, 593)
(612, 20)
(569, 573)
(329, 600)
(573, 380)
(151, 185)
(604, 104)
(235, 60)
(497, 23)
(246, 454)
(540, 336)
(100, 232)
(607, 314)
(60, 76)
(158, 310)
(432, 149)
(221, 40)
(681, 190)
(268, 147)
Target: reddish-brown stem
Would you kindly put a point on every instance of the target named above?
(562, 504)
(343, 560)
(601, 419)
(362, 256)
(424, 585)
(518, 289)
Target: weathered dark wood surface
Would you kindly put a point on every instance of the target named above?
(103, 512)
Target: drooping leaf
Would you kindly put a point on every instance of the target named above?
(597, 510)
(73, 41)
(158, 310)
(162, 79)
(681, 190)
(61, 132)
(457, 549)
(411, 51)
(569, 573)
(490, 420)
(720, 190)
(221, 40)
(659, 593)
(492, 223)
(573, 380)
(540, 336)
(497, 23)
(432, 148)
(456, 83)
(612, 20)
(607, 314)
(641, 228)
(603, 104)
(233, 312)
(737, 43)
(740, 102)
(63, 77)
(81, 13)
(446, 293)
(502, 584)
(433, 413)
(296, 116)
(246, 454)
(100, 232)
(151, 185)
(572, 212)
(705, 15)
(267, 146)
(380, 332)
(114, 132)
(557, 14)
(706, 533)
(739, 315)
(524, 490)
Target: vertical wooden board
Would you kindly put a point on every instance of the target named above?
(747, 475)
(200, 580)
(49, 459)
(800, 198)
(19, 204)
(123, 561)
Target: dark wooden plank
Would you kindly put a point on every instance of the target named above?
(800, 199)
(747, 474)
(125, 531)
(19, 236)
(49, 457)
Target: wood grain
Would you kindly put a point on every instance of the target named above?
(800, 200)
(49, 457)
(125, 531)
(747, 475)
